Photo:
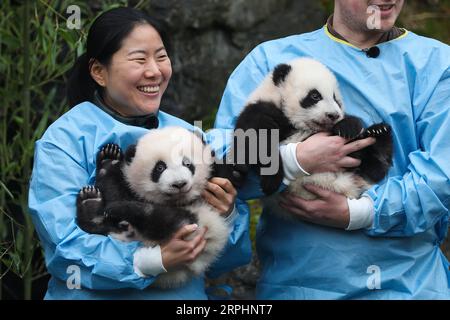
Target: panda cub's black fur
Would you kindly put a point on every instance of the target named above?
(301, 98)
(151, 192)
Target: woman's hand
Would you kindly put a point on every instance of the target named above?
(220, 194)
(178, 251)
(329, 209)
(324, 153)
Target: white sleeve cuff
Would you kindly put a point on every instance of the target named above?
(147, 261)
(361, 213)
(291, 167)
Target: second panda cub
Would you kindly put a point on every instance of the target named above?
(150, 192)
(301, 98)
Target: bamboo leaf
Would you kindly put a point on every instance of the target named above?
(11, 41)
(2, 185)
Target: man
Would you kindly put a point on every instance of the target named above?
(384, 245)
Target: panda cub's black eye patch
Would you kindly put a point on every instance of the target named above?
(158, 169)
(188, 164)
(335, 99)
(311, 99)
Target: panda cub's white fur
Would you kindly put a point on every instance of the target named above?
(174, 146)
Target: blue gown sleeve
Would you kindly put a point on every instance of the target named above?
(420, 199)
(104, 263)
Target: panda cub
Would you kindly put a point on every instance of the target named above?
(150, 192)
(299, 99)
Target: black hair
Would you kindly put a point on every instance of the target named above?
(105, 37)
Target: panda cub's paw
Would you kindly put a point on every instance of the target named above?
(377, 130)
(348, 128)
(89, 203)
(89, 193)
(110, 151)
(89, 210)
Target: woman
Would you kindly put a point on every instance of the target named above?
(116, 89)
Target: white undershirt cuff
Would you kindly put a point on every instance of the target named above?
(147, 261)
(361, 213)
(291, 167)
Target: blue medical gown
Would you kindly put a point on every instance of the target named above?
(64, 162)
(407, 86)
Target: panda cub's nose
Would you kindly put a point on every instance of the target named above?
(332, 116)
(179, 184)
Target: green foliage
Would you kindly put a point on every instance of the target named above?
(328, 5)
(36, 50)
(256, 210)
(430, 18)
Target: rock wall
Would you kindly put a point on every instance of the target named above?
(208, 39)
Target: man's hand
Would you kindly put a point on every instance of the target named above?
(324, 153)
(329, 209)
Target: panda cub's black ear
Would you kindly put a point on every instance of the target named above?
(199, 134)
(280, 73)
(130, 153)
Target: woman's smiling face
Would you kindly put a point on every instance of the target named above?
(137, 75)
